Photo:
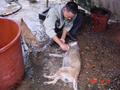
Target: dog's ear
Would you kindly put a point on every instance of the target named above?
(73, 43)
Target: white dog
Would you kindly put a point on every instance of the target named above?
(70, 68)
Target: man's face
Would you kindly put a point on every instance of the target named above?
(68, 14)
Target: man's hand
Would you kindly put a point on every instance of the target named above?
(64, 46)
(62, 40)
(61, 43)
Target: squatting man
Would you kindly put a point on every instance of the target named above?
(64, 19)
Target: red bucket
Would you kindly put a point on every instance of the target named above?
(100, 17)
(11, 58)
(99, 22)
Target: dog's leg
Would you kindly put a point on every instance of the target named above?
(53, 81)
(49, 77)
(75, 84)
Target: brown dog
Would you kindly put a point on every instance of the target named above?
(70, 68)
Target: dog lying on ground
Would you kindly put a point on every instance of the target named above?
(70, 68)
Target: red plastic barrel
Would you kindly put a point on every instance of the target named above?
(100, 17)
(11, 59)
(99, 22)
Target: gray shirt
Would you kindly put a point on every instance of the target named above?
(55, 14)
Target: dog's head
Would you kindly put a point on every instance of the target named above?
(74, 45)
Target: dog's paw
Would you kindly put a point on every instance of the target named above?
(45, 83)
(45, 75)
(49, 82)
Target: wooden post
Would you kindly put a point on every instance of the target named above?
(47, 2)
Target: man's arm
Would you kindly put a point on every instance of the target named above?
(64, 35)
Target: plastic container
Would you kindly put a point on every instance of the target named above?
(11, 58)
(100, 17)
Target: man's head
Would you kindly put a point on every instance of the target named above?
(70, 10)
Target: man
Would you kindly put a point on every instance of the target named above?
(63, 18)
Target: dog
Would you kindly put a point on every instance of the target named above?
(70, 67)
